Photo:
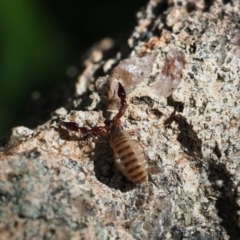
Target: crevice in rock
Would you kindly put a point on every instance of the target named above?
(187, 136)
(208, 5)
(178, 106)
(225, 204)
(217, 151)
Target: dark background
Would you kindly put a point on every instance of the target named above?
(40, 40)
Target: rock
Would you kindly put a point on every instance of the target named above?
(58, 184)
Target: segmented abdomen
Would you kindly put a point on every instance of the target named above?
(129, 158)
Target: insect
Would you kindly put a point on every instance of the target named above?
(128, 154)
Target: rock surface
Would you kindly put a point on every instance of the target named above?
(57, 184)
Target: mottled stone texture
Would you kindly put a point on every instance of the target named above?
(55, 184)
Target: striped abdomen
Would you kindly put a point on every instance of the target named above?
(128, 155)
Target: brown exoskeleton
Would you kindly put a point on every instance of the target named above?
(128, 155)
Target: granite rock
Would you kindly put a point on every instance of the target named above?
(58, 184)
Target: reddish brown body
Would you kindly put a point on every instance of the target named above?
(128, 155)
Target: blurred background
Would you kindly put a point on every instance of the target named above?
(39, 42)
